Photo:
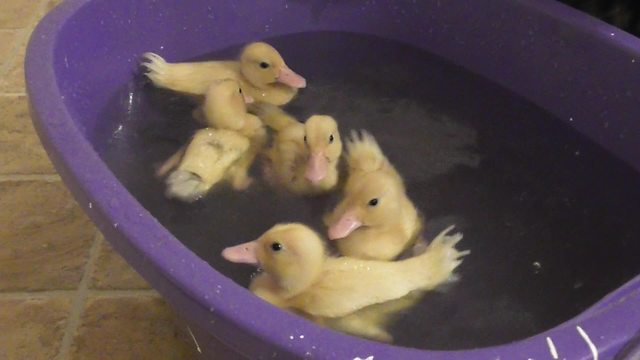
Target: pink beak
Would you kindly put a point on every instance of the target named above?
(316, 167)
(247, 99)
(242, 254)
(344, 226)
(290, 78)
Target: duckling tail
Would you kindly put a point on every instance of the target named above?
(364, 153)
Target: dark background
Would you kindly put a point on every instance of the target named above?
(624, 14)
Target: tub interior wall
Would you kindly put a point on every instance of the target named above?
(554, 66)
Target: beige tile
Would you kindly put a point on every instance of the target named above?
(112, 272)
(136, 328)
(8, 42)
(44, 237)
(20, 148)
(32, 329)
(12, 76)
(17, 14)
(50, 4)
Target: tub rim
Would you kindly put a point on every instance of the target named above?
(96, 187)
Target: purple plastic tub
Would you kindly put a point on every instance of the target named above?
(575, 67)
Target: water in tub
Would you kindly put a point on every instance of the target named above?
(550, 217)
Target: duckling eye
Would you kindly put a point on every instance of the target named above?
(373, 202)
(264, 65)
(240, 90)
(305, 138)
(331, 139)
(276, 246)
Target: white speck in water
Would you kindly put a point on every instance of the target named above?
(90, 205)
(211, 309)
(66, 62)
(577, 152)
(633, 60)
(194, 340)
(578, 284)
(613, 34)
(290, 337)
(537, 266)
(570, 119)
(266, 28)
(367, 358)
(161, 47)
(115, 225)
(301, 336)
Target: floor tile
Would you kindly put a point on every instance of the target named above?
(17, 14)
(112, 272)
(44, 237)
(32, 329)
(20, 148)
(8, 42)
(136, 328)
(12, 80)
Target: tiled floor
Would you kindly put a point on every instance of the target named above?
(64, 294)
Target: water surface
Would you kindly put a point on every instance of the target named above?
(550, 217)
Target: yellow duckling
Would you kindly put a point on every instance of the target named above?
(375, 218)
(204, 162)
(303, 157)
(261, 71)
(339, 292)
(224, 150)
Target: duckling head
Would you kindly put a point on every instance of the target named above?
(292, 254)
(370, 200)
(263, 65)
(325, 146)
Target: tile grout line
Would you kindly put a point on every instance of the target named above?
(30, 177)
(27, 295)
(79, 301)
(47, 294)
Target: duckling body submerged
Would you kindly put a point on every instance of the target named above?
(261, 72)
(224, 150)
(299, 276)
(375, 218)
(303, 157)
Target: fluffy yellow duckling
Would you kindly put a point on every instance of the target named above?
(340, 291)
(261, 71)
(225, 108)
(224, 150)
(375, 218)
(303, 157)
(204, 162)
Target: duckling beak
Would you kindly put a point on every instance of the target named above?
(316, 167)
(290, 78)
(242, 254)
(347, 223)
(247, 99)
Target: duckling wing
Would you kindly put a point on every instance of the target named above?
(348, 284)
